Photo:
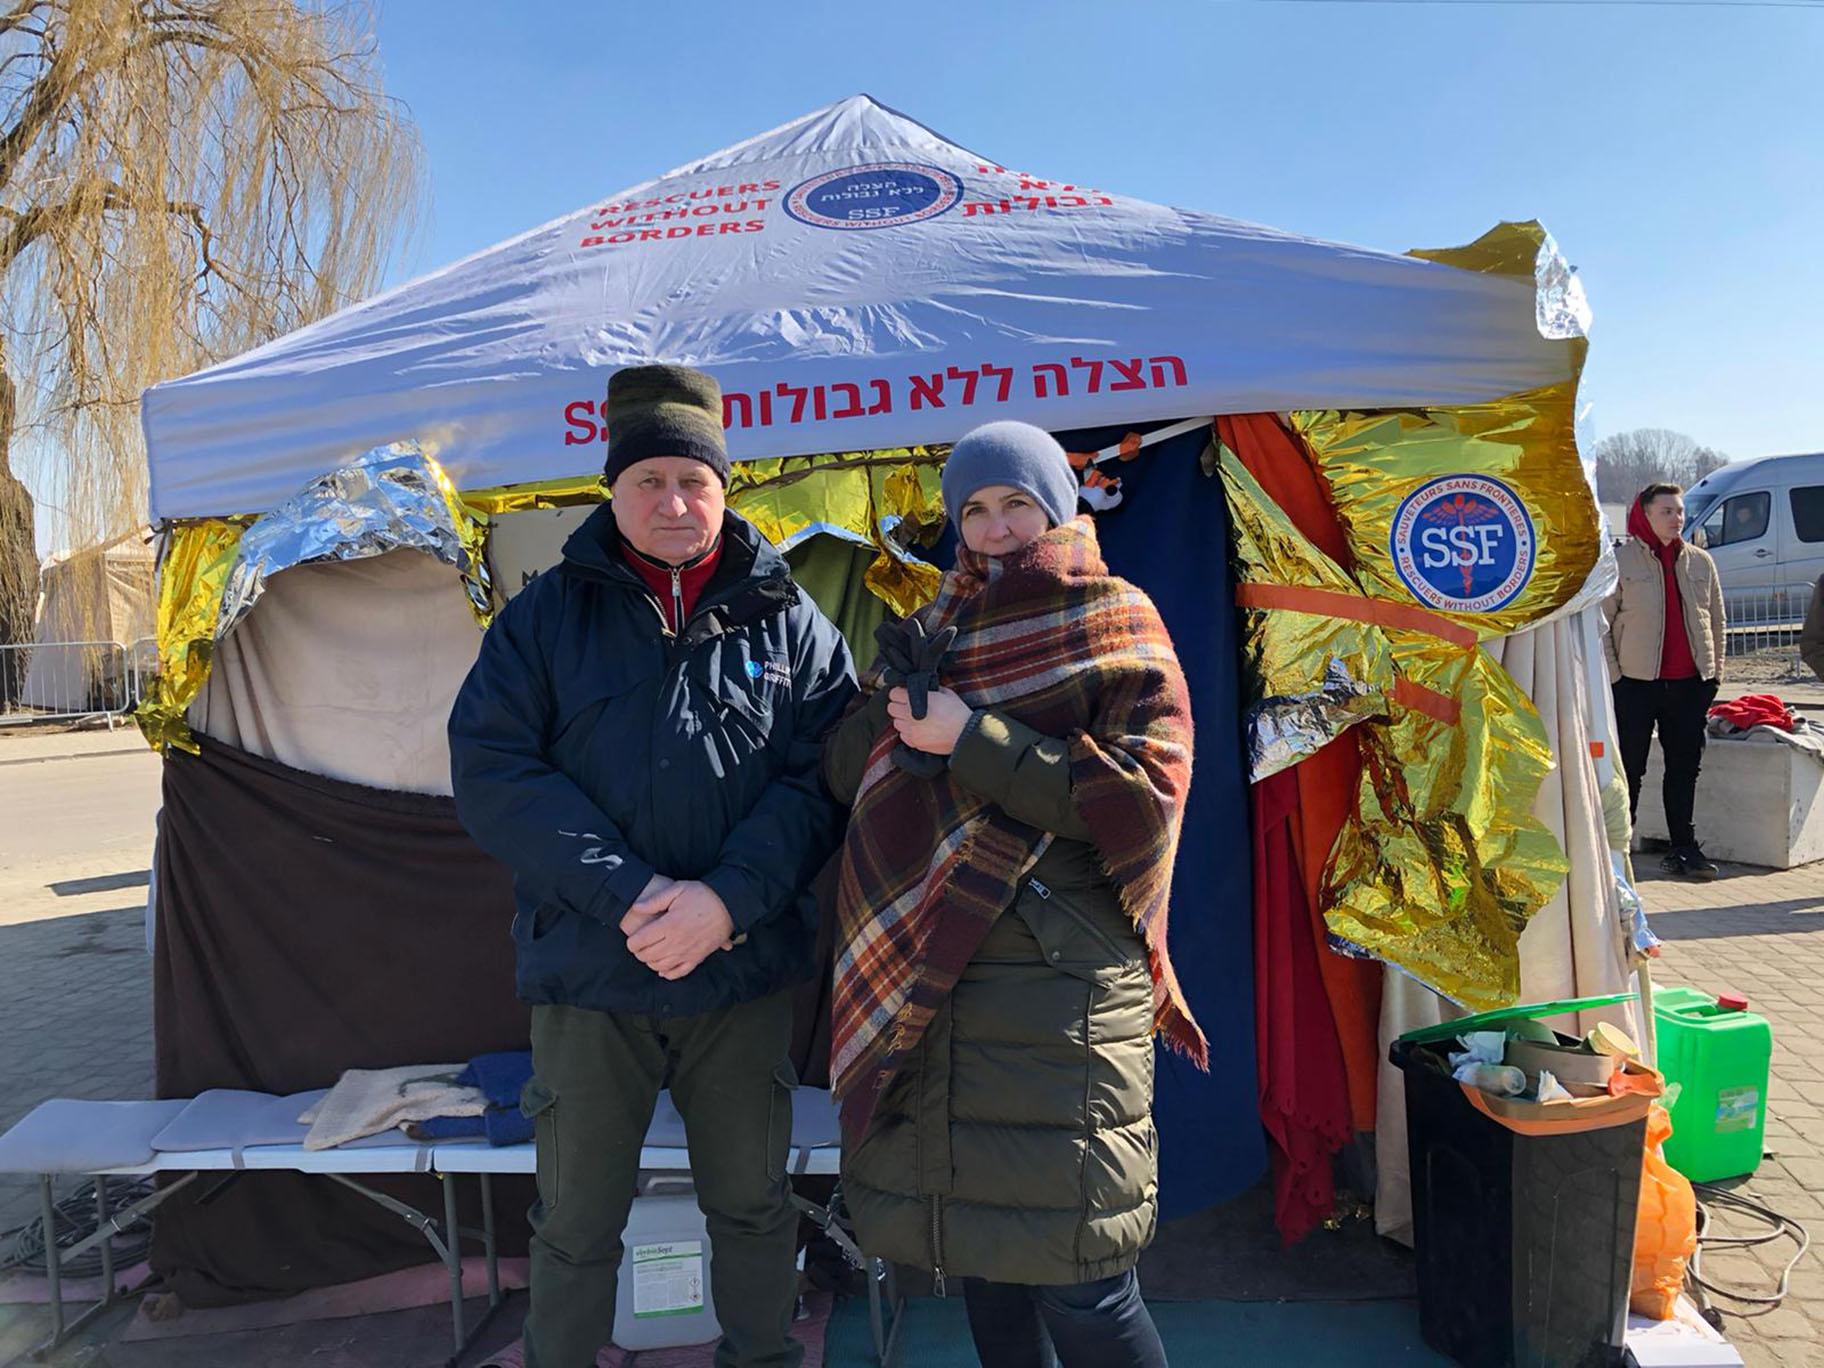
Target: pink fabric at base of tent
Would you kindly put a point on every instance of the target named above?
(425, 1284)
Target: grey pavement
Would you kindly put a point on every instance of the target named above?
(76, 827)
(19, 744)
(1761, 933)
(75, 981)
(76, 998)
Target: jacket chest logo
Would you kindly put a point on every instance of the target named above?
(769, 672)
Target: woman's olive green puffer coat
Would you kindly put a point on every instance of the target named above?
(1018, 1144)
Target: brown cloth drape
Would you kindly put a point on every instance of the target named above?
(306, 926)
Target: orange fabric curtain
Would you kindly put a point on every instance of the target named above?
(1327, 780)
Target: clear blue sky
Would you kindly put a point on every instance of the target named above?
(1676, 153)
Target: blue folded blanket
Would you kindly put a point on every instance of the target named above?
(501, 1076)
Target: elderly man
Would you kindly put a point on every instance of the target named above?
(639, 742)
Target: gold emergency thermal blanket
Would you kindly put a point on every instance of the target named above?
(1442, 862)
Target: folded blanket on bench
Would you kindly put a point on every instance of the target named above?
(368, 1101)
(501, 1076)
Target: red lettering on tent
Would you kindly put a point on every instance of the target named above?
(927, 390)
(579, 417)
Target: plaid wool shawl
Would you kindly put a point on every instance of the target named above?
(1048, 637)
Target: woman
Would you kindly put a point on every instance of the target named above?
(1001, 963)
(1665, 648)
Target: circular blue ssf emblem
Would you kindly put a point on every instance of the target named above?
(1464, 544)
(883, 195)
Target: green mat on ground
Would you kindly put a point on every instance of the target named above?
(1361, 1334)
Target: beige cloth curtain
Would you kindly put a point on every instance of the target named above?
(348, 669)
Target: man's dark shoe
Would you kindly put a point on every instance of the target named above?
(1689, 862)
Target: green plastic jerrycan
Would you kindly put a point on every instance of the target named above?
(1718, 1053)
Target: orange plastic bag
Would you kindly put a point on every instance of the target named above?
(1666, 1236)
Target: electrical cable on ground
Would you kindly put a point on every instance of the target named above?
(75, 1221)
(1781, 1227)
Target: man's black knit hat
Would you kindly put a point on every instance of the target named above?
(664, 411)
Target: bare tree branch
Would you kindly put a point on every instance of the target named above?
(179, 180)
(1630, 461)
(16, 17)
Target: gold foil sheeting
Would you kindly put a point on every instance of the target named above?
(1524, 249)
(889, 500)
(570, 492)
(1498, 485)
(395, 497)
(398, 497)
(1442, 863)
(1306, 676)
(197, 561)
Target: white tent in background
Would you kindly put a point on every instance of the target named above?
(94, 627)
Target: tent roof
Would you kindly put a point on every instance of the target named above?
(854, 281)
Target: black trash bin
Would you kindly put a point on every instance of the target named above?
(1523, 1218)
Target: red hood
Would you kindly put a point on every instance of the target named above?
(1638, 526)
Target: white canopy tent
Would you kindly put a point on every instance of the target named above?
(854, 281)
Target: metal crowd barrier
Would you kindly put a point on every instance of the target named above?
(74, 681)
(1762, 637)
(1762, 617)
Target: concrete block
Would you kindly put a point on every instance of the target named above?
(1758, 802)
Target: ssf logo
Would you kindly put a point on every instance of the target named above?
(879, 196)
(1463, 544)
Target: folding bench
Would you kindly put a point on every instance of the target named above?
(229, 1132)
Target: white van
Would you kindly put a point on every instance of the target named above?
(1763, 521)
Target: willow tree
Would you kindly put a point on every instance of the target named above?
(179, 180)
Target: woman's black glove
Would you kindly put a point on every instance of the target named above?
(910, 660)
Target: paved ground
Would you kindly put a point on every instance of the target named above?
(75, 983)
(75, 1003)
(1762, 934)
(75, 822)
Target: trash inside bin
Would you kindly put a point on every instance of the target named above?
(1523, 1211)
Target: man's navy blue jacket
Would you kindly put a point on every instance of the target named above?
(590, 749)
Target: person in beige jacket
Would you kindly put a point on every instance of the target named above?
(1665, 645)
